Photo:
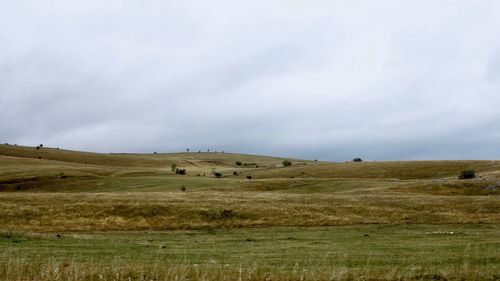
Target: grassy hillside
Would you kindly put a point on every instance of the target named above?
(403, 170)
(49, 169)
(193, 159)
(68, 215)
(62, 212)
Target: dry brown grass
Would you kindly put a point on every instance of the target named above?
(487, 187)
(198, 210)
(192, 160)
(403, 170)
(66, 271)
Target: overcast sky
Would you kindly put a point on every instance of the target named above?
(328, 80)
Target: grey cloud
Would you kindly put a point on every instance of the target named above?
(326, 80)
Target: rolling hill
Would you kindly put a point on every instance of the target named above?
(100, 216)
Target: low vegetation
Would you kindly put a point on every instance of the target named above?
(180, 171)
(88, 216)
(467, 174)
(367, 252)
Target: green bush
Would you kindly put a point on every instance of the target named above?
(287, 163)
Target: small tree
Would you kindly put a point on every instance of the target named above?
(238, 163)
(467, 174)
(357, 160)
(287, 163)
(173, 167)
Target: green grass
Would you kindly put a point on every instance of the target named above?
(392, 251)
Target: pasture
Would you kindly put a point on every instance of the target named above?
(67, 215)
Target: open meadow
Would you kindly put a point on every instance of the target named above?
(67, 215)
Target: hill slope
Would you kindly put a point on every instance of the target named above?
(193, 159)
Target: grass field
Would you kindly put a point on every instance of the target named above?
(385, 251)
(67, 215)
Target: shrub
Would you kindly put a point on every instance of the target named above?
(173, 167)
(226, 214)
(287, 163)
(217, 175)
(467, 174)
(180, 171)
(182, 188)
(357, 160)
(235, 173)
(249, 177)
(238, 163)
